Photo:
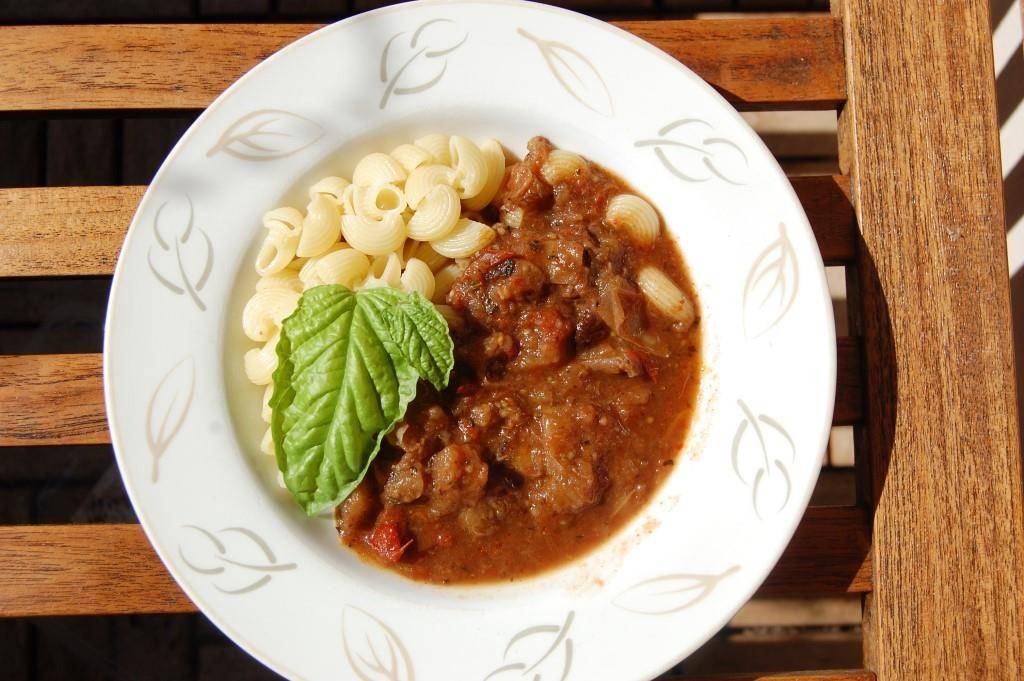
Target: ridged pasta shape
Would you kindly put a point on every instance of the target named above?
(378, 168)
(561, 165)
(284, 220)
(376, 201)
(436, 145)
(665, 296)
(331, 186)
(267, 443)
(346, 267)
(374, 237)
(411, 157)
(384, 271)
(635, 217)
(260, 363)
(423, 179)
(266, 413)
(436, 215)
(320, 228)
(444, 278)
(494, 157)
(469, 165)
(465, 239)
(418, 277)
(423, 251)
(287, 279)
(276, 252)
(263, 314)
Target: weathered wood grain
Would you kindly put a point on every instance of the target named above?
(76, 231)
(52, 400)
(110, 569)
(920, 139)
(756, 63)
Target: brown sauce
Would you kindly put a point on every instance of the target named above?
(570, 400)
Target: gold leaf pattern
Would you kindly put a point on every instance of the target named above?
(575, 73)
(267, 135)
(420, 64)
(762, 466)
(373, 649)
(167, 410)
(690, 149)
(771, 286)
(669, 593)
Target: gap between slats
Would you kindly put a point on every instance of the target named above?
(58, 399)
(111, 569)
(91, 223)
(789, 62)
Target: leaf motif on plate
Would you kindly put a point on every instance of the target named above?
(419, 63)
(539, 653)
(575, 73)
(373, 649)
(167, 410)
(771, 286)
(761, 453)
(181, 258)
(237, 559)
(669, 593)
(690, 149)
(267, 135)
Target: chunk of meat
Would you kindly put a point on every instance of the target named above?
(356, 512)
(543, 335)
(405, 481)
(484, 517)
(523, 187)
(458, 478)
(621, 307)
(571, 477)
(493, 286)
(389, 537)
(609, 358)
(565, 263)
(590, 328)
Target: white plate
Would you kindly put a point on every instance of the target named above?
(185, 424)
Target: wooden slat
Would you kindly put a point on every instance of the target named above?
(756, 63)
(838, 675)
(920, 138)
(78, 231)
(109, 569)
(52, 400)
(58, 399)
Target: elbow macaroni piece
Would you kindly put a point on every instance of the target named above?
(332, 186)
(284, 226)
(378, 168)
(436, 145)
(384, 271)
(423, 251)
(374, 237)
(437, 214)
(470, 167)
(260, 363)
(444, 278)
(465, 239)
(411, 157)
(346, 266)
(494, 157)
(267, 443)
(265, 412)
(263, 314)
(287, 279)
(663, 293)
(376, 201)
(561, 165)
(636, 217)
(320, 228)
(422, 180)
(418, 277)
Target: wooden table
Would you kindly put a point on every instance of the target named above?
(935, 544)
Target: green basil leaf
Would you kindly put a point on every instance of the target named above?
(348, 366)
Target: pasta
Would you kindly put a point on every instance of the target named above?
(378, 168)
(418, 277)
(436, 145)
(374, 237)
(437, 214)
(465, 239)
(265, 311)
(267, 443)
(494, 158)
(333, 187)
(411, 157)
(320, 228)
(422, 180)
(385, 271)
(662, 292)
(278, 249)
(423, 251)
(345, 266)
(444, 278)
(260, 363)
(287, 279)
(635, 216)
(376, 201)
(469, 165)
(308, 274)
(561, 165)
(265, 411)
